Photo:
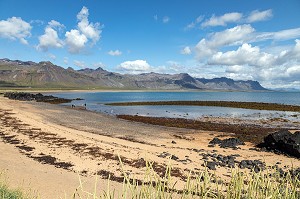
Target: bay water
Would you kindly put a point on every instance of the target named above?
(96, 101)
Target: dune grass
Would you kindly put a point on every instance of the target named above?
(8, 193)
(269, 184)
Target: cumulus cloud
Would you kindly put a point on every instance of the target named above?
(244, 55)
(136, 66)
(90, 30)
(239, 35)
(50, 38)
(250, 62)
(76, 39)
(232, 36)
(115, 53)
(223, 20)
(186, 50)
(259, 16)
(15, 28)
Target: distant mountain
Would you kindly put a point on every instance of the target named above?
(16, 73)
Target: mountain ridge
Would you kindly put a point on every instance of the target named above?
(48, 75)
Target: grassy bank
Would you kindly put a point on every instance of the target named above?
(231, 104)
(270, 184)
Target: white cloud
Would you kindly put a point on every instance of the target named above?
(186, 50)
(234, 69)
(232, 36)
(235, 17)
(223, 20)
(166, 19)
(280, 69)
(244, 55)
(137, 66)
(280, 35)
(76, 39)
(115, 53)
(15, 28)
(194, 23)
(239, 35)
(155, 17)
(50, 38)
(90, 30)
(80, 64)
(259, 16)
(54, 23)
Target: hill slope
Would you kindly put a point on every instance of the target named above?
(47, 75)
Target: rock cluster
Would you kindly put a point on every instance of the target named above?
(226, 143)
(255, 165)
(218, 160)
(35, 97)
(283, 142)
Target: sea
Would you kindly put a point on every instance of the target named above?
(96, 101)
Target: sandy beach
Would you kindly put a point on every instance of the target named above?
(47, 147)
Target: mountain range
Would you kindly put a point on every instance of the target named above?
(16, 73)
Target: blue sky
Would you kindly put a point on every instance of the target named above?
(257, 40)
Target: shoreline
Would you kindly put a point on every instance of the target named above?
(43, 90)
(91, 143)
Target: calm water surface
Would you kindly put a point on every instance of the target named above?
(96, 101)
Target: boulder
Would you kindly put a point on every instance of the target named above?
(283, 141)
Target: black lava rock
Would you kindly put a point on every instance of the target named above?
(211, 165)
(21, 96)
(227, 143)
(255, 165)
(284, 142)
(173, 157)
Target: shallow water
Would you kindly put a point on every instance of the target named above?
(96, 101)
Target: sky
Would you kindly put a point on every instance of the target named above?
(239, 39)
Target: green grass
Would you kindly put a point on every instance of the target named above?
(264, 185)
(240, 185)
(7, 193)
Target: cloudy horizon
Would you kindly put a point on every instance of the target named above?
(260, 41)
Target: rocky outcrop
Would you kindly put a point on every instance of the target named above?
(35, 97)
(283, 142)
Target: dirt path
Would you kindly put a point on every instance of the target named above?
(47, 146)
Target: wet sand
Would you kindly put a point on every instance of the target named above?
(47, 146)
